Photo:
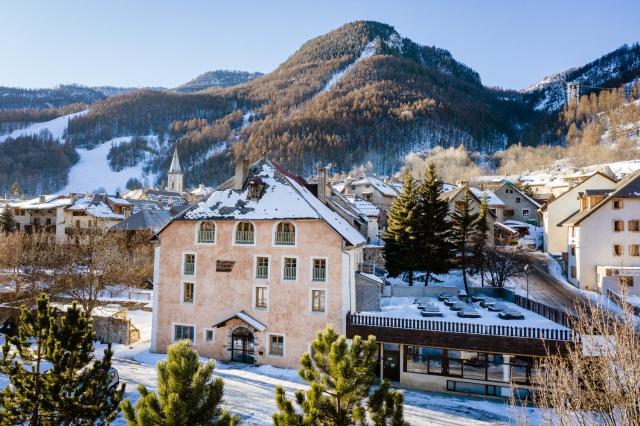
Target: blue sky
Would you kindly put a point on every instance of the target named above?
(161, 43)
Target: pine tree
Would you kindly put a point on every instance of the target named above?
(30, 395)
(480, 237)
(74, 390)
(463, 229)
(81, 380)
(432, 228)
(186, 393)
(340, 379)
(7, 222)
(401, 249)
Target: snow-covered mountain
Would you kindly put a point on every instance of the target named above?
(609, 71)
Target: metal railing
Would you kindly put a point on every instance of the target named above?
(206, 236)
(189, 268)
(262, 272)
(556, 315)
(459, 327)
(319, 274)
(285, 238)
(289, 273)
(244, 237)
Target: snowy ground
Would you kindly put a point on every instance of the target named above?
(249, 391)
(56, 127)
(93, 172)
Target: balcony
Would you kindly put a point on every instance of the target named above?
(245, 237)
(285, 238)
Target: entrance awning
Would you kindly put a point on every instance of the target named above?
(247, 319)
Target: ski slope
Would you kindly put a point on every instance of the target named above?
(56, 127)
(93, 172)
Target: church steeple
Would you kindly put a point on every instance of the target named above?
(175, 177)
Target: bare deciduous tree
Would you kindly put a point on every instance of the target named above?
(597, 381)
(502, 263)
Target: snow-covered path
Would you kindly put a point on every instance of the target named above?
(249, 393)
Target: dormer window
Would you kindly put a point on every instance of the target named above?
(256, 185)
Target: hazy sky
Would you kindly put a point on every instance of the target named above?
(161, 43)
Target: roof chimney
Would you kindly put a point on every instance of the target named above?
(242, 171)
(43, 199)
(322, 182)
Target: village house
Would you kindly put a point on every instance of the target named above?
(564, 206)
(495, 204)
(604, 238)
(91, 213)
(455, 198)
(517, 205)
(253, 271)
(371, 188)
(44, 213)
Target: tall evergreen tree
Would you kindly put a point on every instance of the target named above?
(74, 390)
(480, 238)
(186, 393)
(401, 250)
(433, 227)
(463, 230)
(7, 221)
(340, 378)
(30, 395)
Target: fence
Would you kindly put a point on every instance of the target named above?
(459, 327)
(553, 314)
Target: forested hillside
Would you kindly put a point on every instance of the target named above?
(217, 78)
(361, 93)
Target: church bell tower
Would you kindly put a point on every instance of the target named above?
(175, 177)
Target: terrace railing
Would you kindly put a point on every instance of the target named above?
(556, 315)
(459, 327)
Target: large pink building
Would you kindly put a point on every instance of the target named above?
(255, 270)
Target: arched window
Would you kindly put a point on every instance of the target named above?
(207, 233)
(285, 234)
(245, 233)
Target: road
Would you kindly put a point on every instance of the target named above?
(545, 288)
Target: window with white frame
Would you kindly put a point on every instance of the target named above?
(245, 233)
(319, 270)
(262, 267)
(208, 335)
(207, 233)
(189, 267)
(318, 300)
(182, 331)
(285, 234)
(525, 212)
(261, 297)
(276, 345)
(188, 292)
(290, 269)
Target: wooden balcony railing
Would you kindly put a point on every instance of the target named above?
(285, 238)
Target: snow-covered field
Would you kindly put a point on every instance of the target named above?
(56, 127)
(93, 172)
(249, 391)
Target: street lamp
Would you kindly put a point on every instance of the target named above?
(526, 272)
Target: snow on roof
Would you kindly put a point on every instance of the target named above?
(153, 220)
(246, 318)
(94, 206)
(338, 186)
(363, 206)
(376, 182)
(505, 227)
(44, 202)
(404, 307)
(283, 197)
(492, 199)
(201, 191)
(118, 200)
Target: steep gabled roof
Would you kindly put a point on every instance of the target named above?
(373, 180)
(153, 220)
(283, 197)
(512, 186)
(577, 186)
(628, 187)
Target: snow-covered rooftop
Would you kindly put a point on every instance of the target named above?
(363, 206)
(492, 199)
(94, 205)
(44, 202)
(404, 307)
(283, 197)
(376, 182)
